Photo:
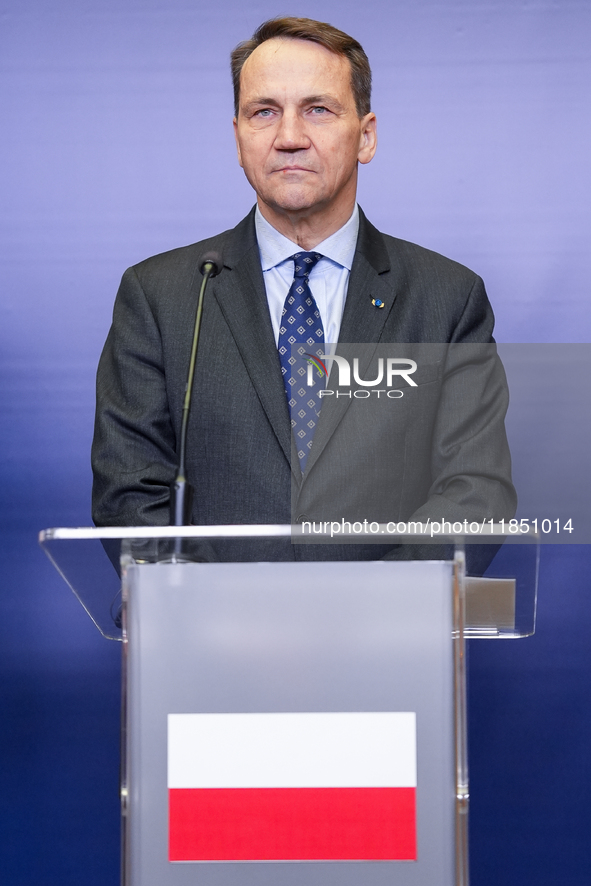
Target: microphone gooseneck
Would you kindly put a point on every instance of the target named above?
(181, 491)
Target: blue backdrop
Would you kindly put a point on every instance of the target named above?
(117, 143)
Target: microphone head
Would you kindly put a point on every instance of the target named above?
(213, 258)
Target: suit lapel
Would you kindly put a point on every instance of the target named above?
(370, 278)
(362, 323)
(240, 293)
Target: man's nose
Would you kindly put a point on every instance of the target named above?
(291, 133)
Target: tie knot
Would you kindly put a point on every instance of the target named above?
(304, 262)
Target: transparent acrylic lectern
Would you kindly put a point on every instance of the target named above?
(293, 722)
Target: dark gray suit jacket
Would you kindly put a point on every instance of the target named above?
(441, 454)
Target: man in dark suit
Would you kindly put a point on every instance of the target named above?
(303, 124)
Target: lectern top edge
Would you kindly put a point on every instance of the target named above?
(469, 534)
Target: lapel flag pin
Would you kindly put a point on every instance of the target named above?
(377, 302)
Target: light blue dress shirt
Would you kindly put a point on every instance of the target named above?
(328, 279)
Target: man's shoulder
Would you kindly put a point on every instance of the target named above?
(175, 265)
(412, 259)
(437, 299)
(180, 262)
(420, 256)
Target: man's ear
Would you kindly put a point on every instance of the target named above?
(368, 141)
(235, 123)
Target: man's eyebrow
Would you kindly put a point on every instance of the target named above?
(325, 99)
(258, 102)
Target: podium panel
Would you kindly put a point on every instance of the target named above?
(273, 700)
(294, 722)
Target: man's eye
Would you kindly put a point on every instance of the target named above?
(264, 112)
(319, 110)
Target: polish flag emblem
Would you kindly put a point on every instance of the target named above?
(292, 786)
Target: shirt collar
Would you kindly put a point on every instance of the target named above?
(275, 248)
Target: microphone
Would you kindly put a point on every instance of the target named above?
(181, 491)
(211, 263)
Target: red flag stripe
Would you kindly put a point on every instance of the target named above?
(210, 824)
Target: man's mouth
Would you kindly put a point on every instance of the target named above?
(288, 169)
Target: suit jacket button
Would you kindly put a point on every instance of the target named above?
(302, 518)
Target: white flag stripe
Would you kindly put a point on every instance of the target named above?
(292, 750)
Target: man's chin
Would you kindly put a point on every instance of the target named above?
(289, 201)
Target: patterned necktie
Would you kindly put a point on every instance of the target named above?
(301, 325)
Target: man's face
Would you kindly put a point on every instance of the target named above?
(298, 135)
